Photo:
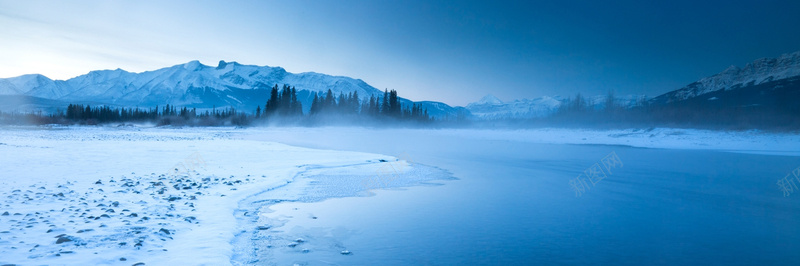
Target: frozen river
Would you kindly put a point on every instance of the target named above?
(514, 204)
(317, 196)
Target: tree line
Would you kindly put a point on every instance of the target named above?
(282, 105)
(577, 111)
(168, 115)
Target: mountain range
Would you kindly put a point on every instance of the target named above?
(764, 93)
(765, 84)
(758, 72)
(192, 84)
(490, 107)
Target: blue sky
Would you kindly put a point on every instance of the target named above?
(449, 51)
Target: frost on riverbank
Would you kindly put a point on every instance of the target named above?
(86, 196)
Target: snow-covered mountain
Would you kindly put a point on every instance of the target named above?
(490, 107)
(192, 84)
(758, 72)
(764, 93)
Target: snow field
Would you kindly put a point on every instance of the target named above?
(99, 196)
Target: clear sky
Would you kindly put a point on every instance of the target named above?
(449, 51)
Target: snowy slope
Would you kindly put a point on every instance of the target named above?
(34, 85)
(758, 72)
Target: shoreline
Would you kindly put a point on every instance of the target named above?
(749, 141)
(147, 215)
(194, 214)
(259, 234)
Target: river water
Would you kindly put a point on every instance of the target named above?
(513, 204)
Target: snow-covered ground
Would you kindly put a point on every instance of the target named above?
(88, 196)
(219, 196)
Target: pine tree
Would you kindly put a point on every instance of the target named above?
(272, 103)
(611, 104)
(341, 102)
(314, 105)
(394, 105)
(376, 108)
(579, 104)
(330, 103)
(296, 106)
(385, 105)
(354, 102)
(366, 106)
(285, 100)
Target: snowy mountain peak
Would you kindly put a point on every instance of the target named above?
(754, 73)
(107, 72)
(222, 64)
(193, 65)
(732, 69)
(490, 107)
(489, 99)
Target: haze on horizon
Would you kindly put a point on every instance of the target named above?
(453, 52)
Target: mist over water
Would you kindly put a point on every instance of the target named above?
(513, 204)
